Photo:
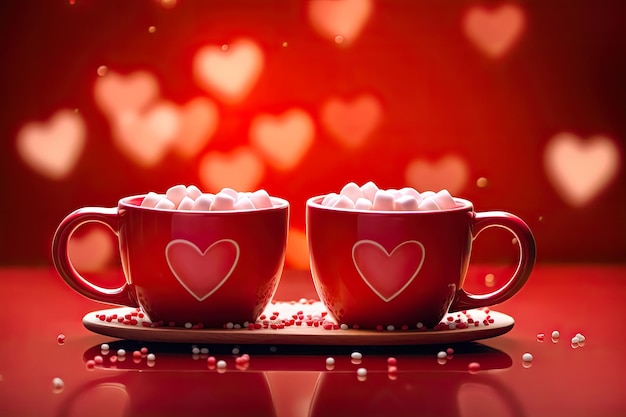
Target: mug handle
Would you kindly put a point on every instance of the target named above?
(64, 266)
(527, 255)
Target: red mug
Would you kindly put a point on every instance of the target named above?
(402, 268)
(208, 268)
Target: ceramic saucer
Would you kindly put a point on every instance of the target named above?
(490, 324)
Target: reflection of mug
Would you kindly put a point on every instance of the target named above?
(412, 394)
(186, 266)
(174, 394)
(374, 268)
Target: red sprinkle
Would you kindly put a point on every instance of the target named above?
(392, 361)
(473, 367)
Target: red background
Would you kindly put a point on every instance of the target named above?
(440, 95)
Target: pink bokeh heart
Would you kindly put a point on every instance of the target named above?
(93, 251)
(240, 169)
(580, 169)
(450, 172)
(345, 18)
(229, 72)
(283, 140)
(351, 122)
(494, 31)
(198, 123)
(53, 148)
(146, 137)
(118, 94)
(376, 266)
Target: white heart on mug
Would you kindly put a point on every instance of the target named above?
(376, 265)
(202, 273)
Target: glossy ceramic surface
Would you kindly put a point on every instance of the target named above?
(203, 268)
(400, 268)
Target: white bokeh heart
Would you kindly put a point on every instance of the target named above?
(229, 72)
(53, 148)
(580, 169)
(283, 140)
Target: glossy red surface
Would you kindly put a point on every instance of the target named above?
(354, 254)
(37, 306)
(186, 266)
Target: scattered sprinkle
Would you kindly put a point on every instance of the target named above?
(473, 367)
(61, 339)
(527, 357)
(151, 357)
(556, 334)
(356, 356)
(540, 337)
(121, 353)
(188, 325)
(195, 351)
(221, 364)
(104, 347)
(361, 372)
(57, 385)
(391, 361)
(330, 361)
(442, 355)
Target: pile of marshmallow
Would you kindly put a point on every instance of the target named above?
(370, 197)
(180, 197)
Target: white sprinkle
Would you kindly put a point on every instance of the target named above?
(356, 355)
(237, 326)
(188, 325)
(419, 325)
(344, 326)
(361, 372)
(330, 361)
(221, 364)
(452, 326)
(57, 384)
(195, 350)
(527, 357)
(580, 337)
(204, 351)
(391, 328)
(575, 340)
(121, 352)
(235, 350)
(104, 346)
(151, 357)
(273, 349)
(229, 325)
(442, 355)
(556, 334)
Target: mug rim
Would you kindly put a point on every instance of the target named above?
(315, 202)
(126, 202)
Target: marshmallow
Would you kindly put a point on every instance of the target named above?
(176, 193)
(369, 190)
(363, 204)
(186, 203)
(203, 203)
(427, 194)
(165, 204)
(193, 192)
(151, 199)
(410, 191)
(261, 199)
(223, 201)
(328, 197)
(428, 204)
(444, 200)
(343, 202)
(234, 194)
(352, 191)
(406, 203)
(396, 193)
(383, 201)
(244, 203)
